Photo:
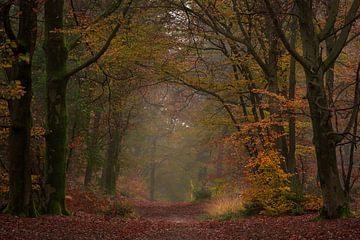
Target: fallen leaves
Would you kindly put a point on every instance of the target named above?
(164, 221)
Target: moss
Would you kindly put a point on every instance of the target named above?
(54, 208)
(17, 210)
(341, 212)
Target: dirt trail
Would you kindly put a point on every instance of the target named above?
(178, 221)
(172, 212)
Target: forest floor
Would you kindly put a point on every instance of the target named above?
(173, 221)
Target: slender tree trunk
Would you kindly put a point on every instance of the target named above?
(153, 166)
(56, 136)
(92, 149)
(152, 180)
(221, 154)
(110, 164)
(291, 160)
(20, 198)
(280, 142)
(271, 74)
(73, 133)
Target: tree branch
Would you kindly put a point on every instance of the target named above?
(355, 111)
(331, 19)
(342, 39)
(5, 9)
(284, 40)
(94, 58)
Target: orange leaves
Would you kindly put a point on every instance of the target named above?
(268, 183)
(313, 204)
(4, 180)
(12, 91)
(283, 103)
(37, 132)
(78, 141)
(7, 57)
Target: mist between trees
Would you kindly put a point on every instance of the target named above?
(180, 100)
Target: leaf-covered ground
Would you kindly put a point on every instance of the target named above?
(177, 221)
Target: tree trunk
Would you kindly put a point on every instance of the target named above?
(110, 164)
(56, 136)
(92, 149)
(152, 180)
(221, 153)
(291, 160)
(335, 204)
(20, 198)
(324, 138)
(153, 166)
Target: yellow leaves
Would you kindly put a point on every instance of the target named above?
(4, 180)
(36, 182)
(268, 183)
(38, 132)
(12, 91)
(6, 54)
(5, 185)
(25, 58)
(314, 203)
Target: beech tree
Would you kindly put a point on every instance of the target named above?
(58, 75)
(325, 138)
(20, 201)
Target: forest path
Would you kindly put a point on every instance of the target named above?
(172, 212)
(174, 221)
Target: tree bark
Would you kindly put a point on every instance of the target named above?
(291, 160)
(110, 167)
(20, 198)
(335, 202)
(324, 137)
(56, 137)
(92, 149)
(56, 55)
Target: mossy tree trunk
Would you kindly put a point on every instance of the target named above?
(20, 198)
(56, 135)
(56, 54)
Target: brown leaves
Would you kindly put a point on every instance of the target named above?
(172, 226)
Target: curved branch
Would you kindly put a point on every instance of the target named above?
(96, 57)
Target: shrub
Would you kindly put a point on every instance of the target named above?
(125, 194)
(122, 210)
(268, 191)
(201, 194)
